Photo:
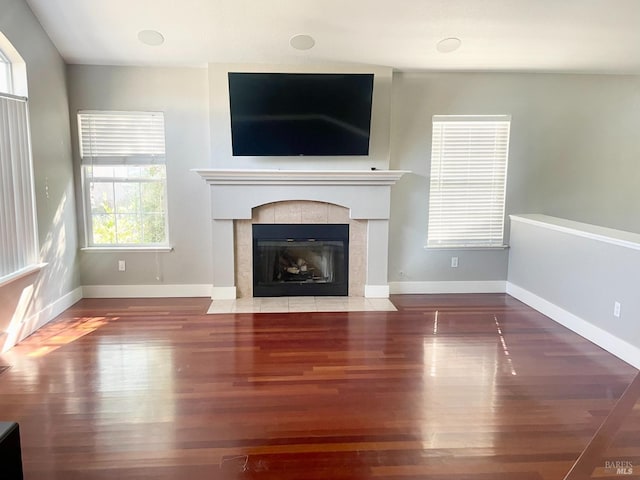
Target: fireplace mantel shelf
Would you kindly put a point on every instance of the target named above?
(300, 177)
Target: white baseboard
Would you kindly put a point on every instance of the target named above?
(32, 323)
(489, 286)
(376, 291)
(146, 291)
(612, 344)
(223, 293)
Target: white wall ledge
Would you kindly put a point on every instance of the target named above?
(31, 269)
(461, 247)
(579, 229)
(127, 249)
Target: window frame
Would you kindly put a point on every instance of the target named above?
(8, 73)
(447, 174)
(88, 162)
(21, 254)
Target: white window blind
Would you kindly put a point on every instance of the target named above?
(18, 237)
(121, 137)
(468, 180)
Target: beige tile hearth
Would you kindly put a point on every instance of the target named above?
(301, 304)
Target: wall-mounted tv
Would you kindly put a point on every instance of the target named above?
(287, 114)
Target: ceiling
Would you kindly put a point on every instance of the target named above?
(595, 36)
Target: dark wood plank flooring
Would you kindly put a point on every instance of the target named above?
(614, 451)
(476, 387)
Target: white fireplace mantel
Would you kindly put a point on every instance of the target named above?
(300, 177)
(234, 193)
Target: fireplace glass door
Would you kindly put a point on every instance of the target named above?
(290, 260)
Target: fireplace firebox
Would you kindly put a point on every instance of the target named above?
(300, 260)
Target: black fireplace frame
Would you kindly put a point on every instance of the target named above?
(300, 233)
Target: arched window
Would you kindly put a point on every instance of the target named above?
(6, 79)
(13, 70)
(18, 232)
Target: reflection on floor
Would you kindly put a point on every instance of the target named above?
(301, 304)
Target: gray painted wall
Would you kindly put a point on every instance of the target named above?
(573, 154)
(182, 94)
(53, 170)
(563, 127)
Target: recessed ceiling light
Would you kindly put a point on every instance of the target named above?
(150, 37)
(448, 45)
(302, 42)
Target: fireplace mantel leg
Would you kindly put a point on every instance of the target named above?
(377, 283)
(223, 261)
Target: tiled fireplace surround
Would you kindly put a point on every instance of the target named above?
(300, 211)
(240, 198)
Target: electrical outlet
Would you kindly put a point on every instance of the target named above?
(122, 266)
(616, 309)
(454, 262)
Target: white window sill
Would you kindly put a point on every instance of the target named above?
(445, 247)
(127, 249)
(31, 269)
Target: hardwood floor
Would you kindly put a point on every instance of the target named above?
(464, 387)
(614, 451)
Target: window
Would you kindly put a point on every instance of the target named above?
(468, 180)
(124, 178)
(18, 232)
(5, 74)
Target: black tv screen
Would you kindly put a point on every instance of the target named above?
(288, 114)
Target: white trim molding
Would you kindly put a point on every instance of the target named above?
(478, 286)
(25, 272)
(146, 291)
(612, 344)
(223, 293)
(376, 291)
(22, 329)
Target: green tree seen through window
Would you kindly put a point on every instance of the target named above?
(128, 206)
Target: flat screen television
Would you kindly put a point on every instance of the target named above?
(287, 114)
